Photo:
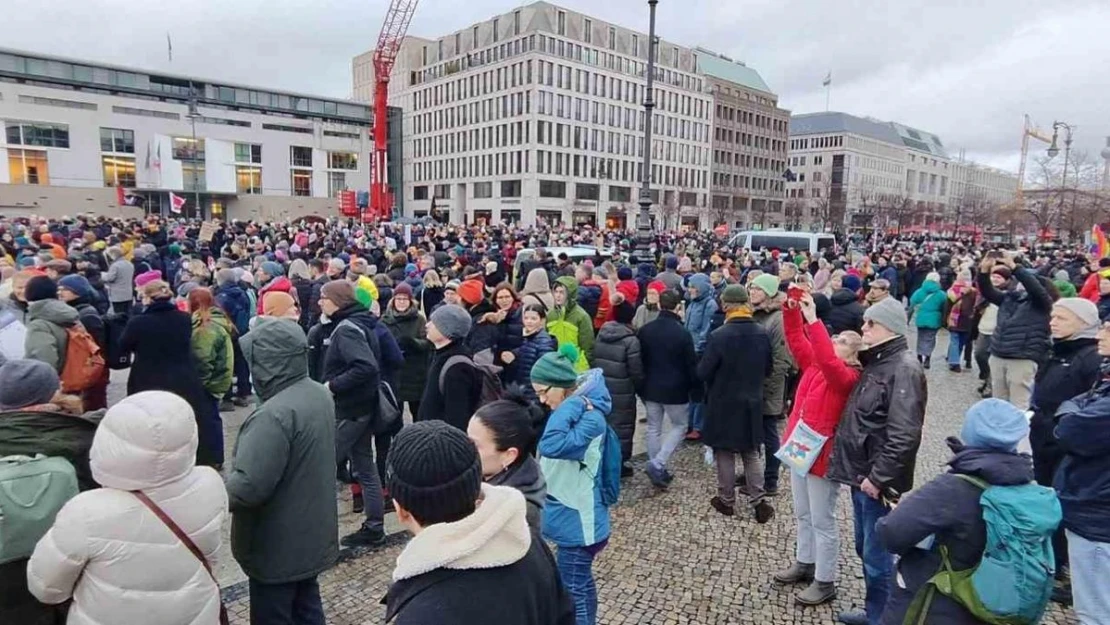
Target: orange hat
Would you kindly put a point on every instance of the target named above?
(471, 292)
(277, 304)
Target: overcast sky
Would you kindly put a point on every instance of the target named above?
(965, 70)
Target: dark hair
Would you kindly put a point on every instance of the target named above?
(668, 300)
(513, 420)
(318, 264)
(539, 309)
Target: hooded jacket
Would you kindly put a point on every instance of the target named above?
(617, 354)
(1083, 479)
(280, 283)
(948, 509)
(929, 302)
(700, 311)
(537, 290)
(840, 312)
(532, 347)
(446, 566)
(233, 299)
(570, 453)
(571, 313)
(281, 483)
(47, 340)
(769, 315)
(408, 328)
(526, 477)
(213, 352)
(105, 544)
(351, 369)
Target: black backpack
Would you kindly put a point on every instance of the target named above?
(488, 374)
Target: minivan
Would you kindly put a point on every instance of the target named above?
(782, 240)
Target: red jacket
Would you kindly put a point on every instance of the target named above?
(604, 304)
(1090, 288)
(825, 385)
(280, 283)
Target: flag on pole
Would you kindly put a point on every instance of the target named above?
(176, 203)
(125, 198)
(158, 158)
(1099, 244)
(169, 47)
(147, 164)
(828, 79)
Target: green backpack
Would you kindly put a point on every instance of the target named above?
(32, 491)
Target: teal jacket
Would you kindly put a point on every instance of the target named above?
(570, 456)
(928, 303)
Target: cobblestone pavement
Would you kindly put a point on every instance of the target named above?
(671, 559)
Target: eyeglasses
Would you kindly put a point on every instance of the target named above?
(868, 324)
(543, 391)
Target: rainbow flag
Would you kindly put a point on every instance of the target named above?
(1100, 246)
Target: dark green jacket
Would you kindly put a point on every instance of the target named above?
(281, 487)
(50, 433)
(412, 338)
(213, 352)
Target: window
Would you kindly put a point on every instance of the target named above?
(588, 31)
(585, 191)
(420, 192)
(116, 140)
(69, 104)
(29, 167)
(193, 177)
(674, 56)
(248, 153)
(553, 188)
(343, 160)
(337, 181)
(510, 188)
(301, 182)
(612, 38)
(45, 135)
(248, 180)
(561, 21)
(442, 191)
(516, 23)
(495, 29)
(635, 45)
(620, 194)
(474, 37)
(483, 190)
(300, 156)
(188, 149)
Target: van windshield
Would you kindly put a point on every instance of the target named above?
(825, 244)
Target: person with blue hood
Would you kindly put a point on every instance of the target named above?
(943, 520)
(573, 459)
(700, 309)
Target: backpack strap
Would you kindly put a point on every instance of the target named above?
(451, 361)
(971, 479)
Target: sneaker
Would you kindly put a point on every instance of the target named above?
(927, 361)
(796, 574)
(720, 506)
(771, 491)
(357, 505)
(656, 476)
(693, 435)
(955, 368)
(987, 392)
(764, 512)
(364, 537)
(1061, 593)
(626, 471)
(667, 477)
(816, 594)
(852, 618)
(227, 406)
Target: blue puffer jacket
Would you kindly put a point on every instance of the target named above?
(233, 299)
(1083, 479)
(531, 348)
(930, 301)
(589, 297)
(700, 311)
(570, 455)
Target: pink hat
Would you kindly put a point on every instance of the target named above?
(147, 277)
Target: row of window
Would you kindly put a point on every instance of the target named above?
(800, 161)
(37, 134)
(579, 109)
(926, 183)
(721, 157)
(815, 143)
(489, 109)
(509, 189)
(747, 139)
(730, 114)
(753, 183)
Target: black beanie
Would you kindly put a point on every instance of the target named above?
(434, 472)
(40, 288)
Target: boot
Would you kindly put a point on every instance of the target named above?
(764, 512)
(987, 391)
(720, 506)
(797, 573)
(926, 361)
(816, 594)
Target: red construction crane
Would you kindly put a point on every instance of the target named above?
(396, 24)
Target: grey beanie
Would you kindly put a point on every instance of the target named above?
(452, 322)
(26, 383)
(889, 314)
(227, 276)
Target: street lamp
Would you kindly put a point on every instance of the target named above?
(643, 218)
(193, 114)
(1052, 151)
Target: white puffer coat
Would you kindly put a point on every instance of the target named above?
(108, 552)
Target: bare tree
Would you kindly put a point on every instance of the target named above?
(794, 209)
(820, 201)
(896, 210)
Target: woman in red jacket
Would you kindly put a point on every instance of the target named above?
(830, 369)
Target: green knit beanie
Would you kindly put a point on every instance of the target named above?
(557, 368)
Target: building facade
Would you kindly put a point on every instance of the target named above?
(77, 131)
(859, 173)
(536, 115)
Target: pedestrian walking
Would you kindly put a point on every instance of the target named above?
(960, 318)
(927, 310)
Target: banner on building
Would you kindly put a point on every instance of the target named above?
(348, 207)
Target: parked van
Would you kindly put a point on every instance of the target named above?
(782, 240)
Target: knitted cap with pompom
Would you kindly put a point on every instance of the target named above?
(557, 368)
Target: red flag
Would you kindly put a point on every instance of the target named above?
(120, 199)
(176, 202)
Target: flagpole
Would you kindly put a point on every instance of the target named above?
(828, 94)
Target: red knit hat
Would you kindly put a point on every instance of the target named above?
(471, 292)
(657, 286)
(629, 289)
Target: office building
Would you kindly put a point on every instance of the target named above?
(76, 130)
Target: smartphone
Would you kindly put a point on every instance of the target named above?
(795, 293)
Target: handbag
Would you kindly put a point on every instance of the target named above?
(188, 542)
(802, 449)
(389, 410)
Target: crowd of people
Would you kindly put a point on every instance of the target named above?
(520, 375)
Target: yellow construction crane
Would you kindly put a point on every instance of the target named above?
(1030, 130)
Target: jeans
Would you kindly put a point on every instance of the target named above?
(878, 565)
(661, 445)
(1090, 566)
(294, 603)
(771, 443)
(983, 356)
(926, 342)
(1012, 380)
(697, 416)
(353, 439)
(575, 566)
(726, 475)
(210, 431)
(955, 347)
(815, 511)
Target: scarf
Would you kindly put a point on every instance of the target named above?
(744, 312)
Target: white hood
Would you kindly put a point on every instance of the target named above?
(147, 440)
(495, 535)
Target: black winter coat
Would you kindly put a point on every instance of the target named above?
(1072, 370)
(880, 430)
(528, 592)
(841, 312)
(1083, 479)
(948, 508)
(737, 358)
(531, 348)
(161, 340)
(1104, 307)
(1022, 332)
(617, 353)
(670, 364)
(461, 389)
(409, 330)
(429, 298)
(307, 299)
(482, 336)
(92, 320)
(351, 369)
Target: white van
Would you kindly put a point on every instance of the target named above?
(782, 240)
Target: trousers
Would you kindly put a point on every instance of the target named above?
(575, 566)
(815, 512)
(1090, 568)
(294, 603)
(354, 440)
(726, 475)
(878, 564)
(1012, 380)
(661, 444)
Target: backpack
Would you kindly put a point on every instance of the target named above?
(84, 364)
(1013, 581)
(32, 491)
(388, 413)
(611, 460)
(488, 374)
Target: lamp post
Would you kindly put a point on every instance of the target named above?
(193, 114)
(643, 218)
(1053, 150)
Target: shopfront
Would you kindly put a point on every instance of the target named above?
(616, 219)
(483, 217)
(549, 217)
(510, 215)
(584, 218)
